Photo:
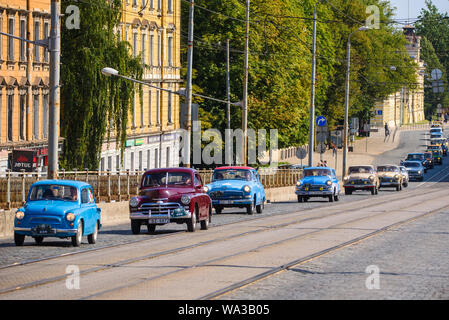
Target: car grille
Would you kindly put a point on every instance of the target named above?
(217, 195)
(315, 187)
(359, 181)
(388, 179)
(158, 208)
(413, 174)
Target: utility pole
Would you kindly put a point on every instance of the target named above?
(312, 95)
(189, 82)
(345, 132)
(228, 97)
(245, 90)
(53, 124)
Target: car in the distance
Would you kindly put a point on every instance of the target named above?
(429, 159)
(440, 142)
(236, 187)
(58, 208)
(170, 195)
(318, 182)
(418, 156)
(415, 170)
(405, 176)
(362, 177)
(390, 177)
(437, 153)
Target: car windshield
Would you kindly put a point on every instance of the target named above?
(361, 170)
(53, 192)
(411, 165)
(415, 156)
(434, 130)
(387, 169)
(156, 179)
(232, 174)
(317, 172)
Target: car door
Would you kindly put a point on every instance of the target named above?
(335, 181)
(260, 188)
(198, 185)
(86, 211)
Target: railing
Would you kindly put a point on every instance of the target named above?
(116, 185)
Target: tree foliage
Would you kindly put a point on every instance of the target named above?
(94, 106)
(281, 56)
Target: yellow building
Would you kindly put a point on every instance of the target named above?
(152, 28)
(24, 78)
(407, 105)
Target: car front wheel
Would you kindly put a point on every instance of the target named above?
(191, 223)
(76, 239)
(19, 239)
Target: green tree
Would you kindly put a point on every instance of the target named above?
(93, 106)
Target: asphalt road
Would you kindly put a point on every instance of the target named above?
(259, 257)
(411, 141)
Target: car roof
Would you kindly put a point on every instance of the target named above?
(311, 168)
(72, 183)
(235, 168)
(417, 153)
(179, 169)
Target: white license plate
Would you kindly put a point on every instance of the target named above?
(226, 202)
(158, 220)
(315, 192)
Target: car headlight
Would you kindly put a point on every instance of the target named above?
(419, 171)
(298, 183)
(70, 216)
(329, 183)
(206, 189)
(185, 199)
(346, 178)
(371, 178)
(247, 188)
(396, 177)
(134, 202)
(20, 215)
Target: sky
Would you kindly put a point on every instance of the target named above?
(415, 7)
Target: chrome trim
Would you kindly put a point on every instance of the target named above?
(21, 229)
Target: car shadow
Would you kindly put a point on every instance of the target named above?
(143, 231)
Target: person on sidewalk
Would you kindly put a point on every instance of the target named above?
(387, 131)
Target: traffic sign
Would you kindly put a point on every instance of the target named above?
(436, 74)
(301, 153)
(321, 121)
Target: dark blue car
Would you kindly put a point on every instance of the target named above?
(58, 208)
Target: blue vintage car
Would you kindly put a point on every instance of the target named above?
(58, 208)
(236, 187)
(318, 182)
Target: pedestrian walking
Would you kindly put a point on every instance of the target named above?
(387, 131)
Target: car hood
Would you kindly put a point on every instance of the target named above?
(361, 175)
(228, 185)
(415, 169)
(316, 180)
(165, 194)
(50, 207)
(388, 174)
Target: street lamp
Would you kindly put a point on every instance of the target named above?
(345, 133)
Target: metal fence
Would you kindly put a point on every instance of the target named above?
(116, 185)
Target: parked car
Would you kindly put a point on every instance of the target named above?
(390, 177)
(437, 152)
(361, 178)
(236, 187)
(405, 176)
(58, 208)
(170, 195)
(318, 182)
(415, 170)
(429, 159)
(418, 156)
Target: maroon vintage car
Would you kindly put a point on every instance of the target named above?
(170, 195)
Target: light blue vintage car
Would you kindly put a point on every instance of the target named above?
(236, 187)
(58, 208)
(318, 182)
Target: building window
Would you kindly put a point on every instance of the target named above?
(156, 158)
(142, 122)
(158, 107)
(110, 163)
(132, 161)
(46, 35)
(22, 117)
(151, 49)
(11, 40)
(159, 49)
(170, 6)
(1, 37)
(170, 105)
(167, 158)
(134, 110)
(22, 43)
(150, 107)
(10, 116)
(144, 36)
(101, 165)
(117, 162)
(37, 27)
(140, 160)
(170, 51)
(119, 33)
(159, 5)
(45, 115)
(36, 116)
(148, 159)
(151, 4)
(135, 45)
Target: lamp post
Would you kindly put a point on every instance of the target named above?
(345, 133)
